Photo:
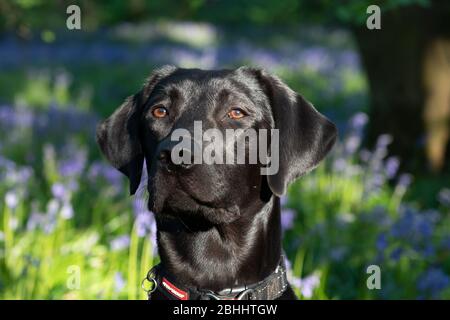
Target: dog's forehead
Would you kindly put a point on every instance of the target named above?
(193, 83)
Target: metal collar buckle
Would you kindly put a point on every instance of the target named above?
(240, 296)
(151, 278)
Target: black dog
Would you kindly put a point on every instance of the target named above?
(219, 233)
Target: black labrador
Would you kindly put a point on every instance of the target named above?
(219, 233)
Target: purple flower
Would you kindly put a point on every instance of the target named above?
(414, 227)
(397, 253)
(74, 161)
(59, 191)
(287, 263)
(287, 219)
(339, 164)
(404, 180)
(71, 167)
(307, 285)
(52, 207)
(428, 250)
(352, 143)
(391, 167)
(120, 243)
(382, 242)
(365, 155)
(139, 204)
(66, 211)
(316, 58)
(153, 239)
(11, 199)
(18, 176)
(144, 222)
(433, 281)
(377, 180)
(383, 141)
(100, 170)
(358, 121)
(119, 282)
(35, 220)
(283, 200)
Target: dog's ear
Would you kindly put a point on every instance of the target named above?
(119, 135)
(305, 135)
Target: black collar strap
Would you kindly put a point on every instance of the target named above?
(270, 288)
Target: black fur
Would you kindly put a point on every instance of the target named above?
(218, 225)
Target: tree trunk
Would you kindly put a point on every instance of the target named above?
(402, 73)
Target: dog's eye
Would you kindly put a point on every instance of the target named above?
(159, 112)
(236, 113)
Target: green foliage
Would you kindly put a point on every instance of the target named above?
(26, 15)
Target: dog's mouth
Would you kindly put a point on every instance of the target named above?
(217, 214)
(182, 203)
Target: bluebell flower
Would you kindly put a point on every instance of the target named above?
(120, 243)
(51, 215)
(377, 180)
(35, 220)
(383, 141)
(287, 263)
(60, 192)
(404, 180)
(306, 285)
(391, 167)
(352, 143)
(287, 219)
(432, 282)
(382, 242)
(19, 175)
(339, 164)
(74, 163)
(66, 211)
(429, 250)
(11, 199)
(358, 121)
(397, 253)
(119, 282)
(425, 227)
(144, 221)
(100, 170)
(283, 200)
(153, 237)
(365, 155)
(378, 216)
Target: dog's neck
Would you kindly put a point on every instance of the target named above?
(202, 255)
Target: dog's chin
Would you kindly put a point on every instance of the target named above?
(180, 203)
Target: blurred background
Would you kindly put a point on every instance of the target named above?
(68, 230)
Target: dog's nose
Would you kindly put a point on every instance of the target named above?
(182, 162)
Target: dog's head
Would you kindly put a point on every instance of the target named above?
(174, 101)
